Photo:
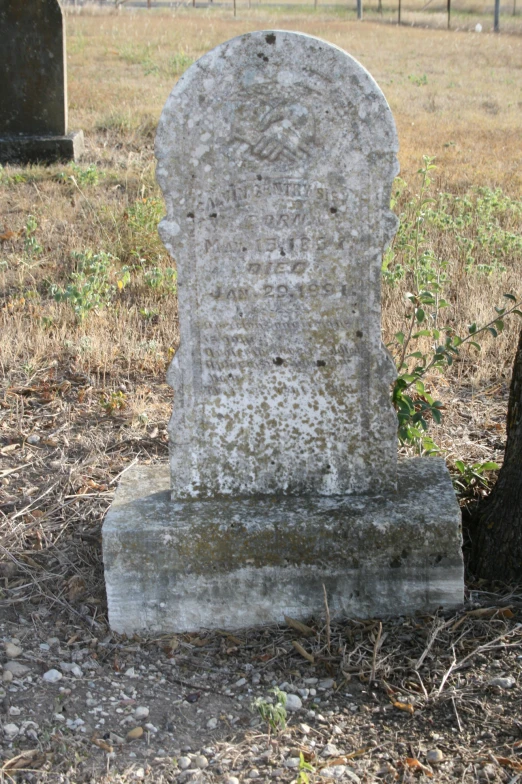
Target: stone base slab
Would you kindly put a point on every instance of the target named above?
(184, 566)
(41, 149)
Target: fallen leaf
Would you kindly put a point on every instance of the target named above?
(506, 612)
(506, 762)
(9, 448)
(32, 758)
(404, 706)
(75, 587)
(411, 762)
(298, 626)
(482, 612)
(199, 642)
(299, 648)
(102, 744)
(7, 235)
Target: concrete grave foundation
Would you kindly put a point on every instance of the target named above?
(41, 149)
(232, 563)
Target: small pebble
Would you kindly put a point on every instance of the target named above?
(328, 683)
(34, 438)
(333, 771)
(504, 683)
(12, 650)
(52, 676)
(184, 763)
(201, 761)
(7, 676)
(232, 780)
(14, 711)
(330, 751)
(254, 774)
(240, 682)
(293, 702)
(137, 732)
(212, 724)
(17, 669)
(292, 762)
(305, 728)
(11, 731)
(435, 756)
(141, 713)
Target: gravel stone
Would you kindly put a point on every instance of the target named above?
(12, 650)
(232, 780)
(52, 676)
(330, 751)
(141, 713)
(201, 761)
(328, 683)
(293, 702)
(333, 772)
(292, 762)
(504, 683)
(184, 763)
(253, 774)
(7, 676)
(212, 724)
(435, 756)
(18, 670)
(11, 731)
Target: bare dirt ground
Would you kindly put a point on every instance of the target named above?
(379, 698)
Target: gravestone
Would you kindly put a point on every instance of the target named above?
(276, 156)
(33, 84)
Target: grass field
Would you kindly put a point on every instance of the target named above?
(88, 312)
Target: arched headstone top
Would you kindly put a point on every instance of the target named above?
(276, 156)
(289, 101)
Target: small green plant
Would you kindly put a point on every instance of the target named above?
(274, 713)
(149, 314)
(91, 283)
(89, 175)
(304, 769)
(471, 478)
(31, 245)
(418, 80)
(114, 401)
(179, 63)
(428, 341)
(162, 280)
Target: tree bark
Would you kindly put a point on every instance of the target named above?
(496, 552)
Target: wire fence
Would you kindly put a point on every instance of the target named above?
(478, 15)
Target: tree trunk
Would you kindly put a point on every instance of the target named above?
(496, 552)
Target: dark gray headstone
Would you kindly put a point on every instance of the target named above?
(33, 83)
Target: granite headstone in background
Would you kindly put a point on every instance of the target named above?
(276, 157)
(33, 84)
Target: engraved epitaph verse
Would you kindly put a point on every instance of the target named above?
(276, 154)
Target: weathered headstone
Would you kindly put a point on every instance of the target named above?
(33, 84)
(276, 156)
